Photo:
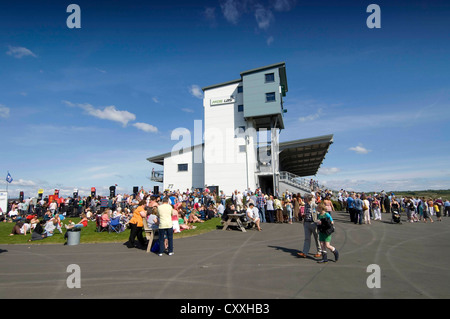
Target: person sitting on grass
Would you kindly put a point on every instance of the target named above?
(183, 221)
(38, 232)
(50, 227)
(81, 224)
(20, 228)
(194, 217)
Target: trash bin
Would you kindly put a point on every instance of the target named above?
(73, 236)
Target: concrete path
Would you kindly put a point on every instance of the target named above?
(413, 262)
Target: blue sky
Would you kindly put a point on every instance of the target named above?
(82, 108)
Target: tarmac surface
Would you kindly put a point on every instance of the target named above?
(413, 260)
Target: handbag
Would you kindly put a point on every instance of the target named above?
(330, 230)
(155, 248)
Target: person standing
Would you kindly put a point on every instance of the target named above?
(165, 226)
(296, 207)
(270, 209)
(289, 210)
(324, 224)
(351, 207)
(328, 204)
(260, 203)
(358, 209)
(447, 208)
(387, 204)
(376, 208)
(310, 228)
(136, 225)
(279, 210)
(366, 206)
(239, 202)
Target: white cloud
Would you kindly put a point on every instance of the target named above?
(283, 5)
(4, 111)
(210, 15)
(359, 149)
(146, 127)
(231, 11)
(108, 113)
(270, 40)
(311, 117)
(155, 99)
(19, 52)
(328, 170)
(196, 91)
(263, 16)
(187, 110)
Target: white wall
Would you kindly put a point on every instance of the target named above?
(193, 177)
(225, 165)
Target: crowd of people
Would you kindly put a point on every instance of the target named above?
(362, 208)
(43, 217)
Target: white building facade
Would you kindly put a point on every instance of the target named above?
(239, 149)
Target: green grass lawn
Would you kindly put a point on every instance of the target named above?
(89, 235)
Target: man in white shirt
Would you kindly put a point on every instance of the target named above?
(220, 209)
(165, 226)
(253, 215)
(239, 199)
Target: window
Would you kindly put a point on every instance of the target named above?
(242, 148)
(240, 89)
(241, 108)
(270, 97)
(270, 77)
(241, 129)
(182, 167)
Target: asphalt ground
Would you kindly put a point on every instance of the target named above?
(411, 263)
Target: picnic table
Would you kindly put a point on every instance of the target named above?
(234, 220)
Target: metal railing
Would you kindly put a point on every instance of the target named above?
(299, 182)
(157, 176)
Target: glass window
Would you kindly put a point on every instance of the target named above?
(270, 97)
(242, 148)
(270, 77)
(240, 89)
(182, 167)
(241, 108)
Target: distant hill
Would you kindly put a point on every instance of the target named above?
(430, 193)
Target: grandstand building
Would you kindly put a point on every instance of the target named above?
(240, 147)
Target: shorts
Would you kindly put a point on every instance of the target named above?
(324, 237)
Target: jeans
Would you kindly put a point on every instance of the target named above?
(165, 232)
(358, 215)
(271, 214)
(262, 214)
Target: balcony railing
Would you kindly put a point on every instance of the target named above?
(157, 176)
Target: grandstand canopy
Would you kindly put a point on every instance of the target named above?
(304, 157)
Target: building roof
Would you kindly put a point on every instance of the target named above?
(221, 84)
(300, 157)
(304, 157)
(159, 159)
(280, 65)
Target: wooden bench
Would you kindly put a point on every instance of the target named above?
(234, 220)
(149, 233)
